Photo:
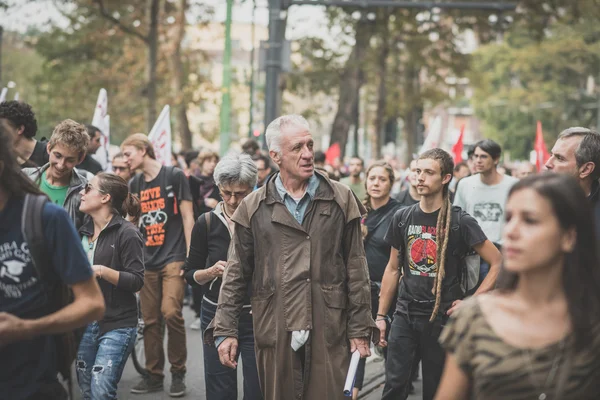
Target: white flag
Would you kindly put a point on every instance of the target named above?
(3, 95)
(160, 136)
(102, 121)
(434, 135)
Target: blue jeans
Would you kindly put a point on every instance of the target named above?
(221, 381)
(101, 359)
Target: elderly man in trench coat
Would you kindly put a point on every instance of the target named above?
(297, 250)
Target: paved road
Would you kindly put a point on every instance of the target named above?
(195, 375)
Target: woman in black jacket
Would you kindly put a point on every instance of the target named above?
(381, 208)
(115, 249)
(235, 176)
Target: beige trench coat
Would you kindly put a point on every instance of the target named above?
(312, 276)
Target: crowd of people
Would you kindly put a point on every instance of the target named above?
(486, 284)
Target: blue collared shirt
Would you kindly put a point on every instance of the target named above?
(298, 208)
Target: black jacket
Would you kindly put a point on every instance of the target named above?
(594, 198)
(120, 247)
(206, 249)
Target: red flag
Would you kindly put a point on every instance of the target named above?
(332, 153)
(541, 152)
(457, 149)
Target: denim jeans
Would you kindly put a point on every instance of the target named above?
(101, 359)
(408, 335)
(221, 381)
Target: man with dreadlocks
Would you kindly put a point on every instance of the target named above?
(429, 241)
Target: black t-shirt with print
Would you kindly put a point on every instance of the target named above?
(161, 223)
(417, 251)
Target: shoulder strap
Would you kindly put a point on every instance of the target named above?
(32, 228)
(135, 184)
(405, 214)
(207, 218)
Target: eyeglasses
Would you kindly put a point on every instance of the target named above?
(117, 169)
(89, 187)
(226, 195)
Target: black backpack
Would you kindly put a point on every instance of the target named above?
(468, 269)
(58, 294)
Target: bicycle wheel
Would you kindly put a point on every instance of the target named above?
(138, 355)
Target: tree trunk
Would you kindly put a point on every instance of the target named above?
(382, 92)
(153, 12)
(411, 119)
(178, 79)
(350, 83)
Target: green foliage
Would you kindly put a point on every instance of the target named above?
(524, 79)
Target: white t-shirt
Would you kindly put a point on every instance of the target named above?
(485, 203)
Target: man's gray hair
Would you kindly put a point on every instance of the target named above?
(236, 170)
(588, 149)
(273, 133)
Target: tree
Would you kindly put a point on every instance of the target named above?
(525, 79)
(150, 39)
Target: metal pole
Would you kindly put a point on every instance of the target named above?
(253, 35)
(356, 122)
(225, 128)
(273, 62)
(598, 109)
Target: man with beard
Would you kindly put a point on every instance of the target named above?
(428, 241)
(297, 249)
(577, 153)
(354, 181)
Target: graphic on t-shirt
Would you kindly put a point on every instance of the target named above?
(422, 250)
(13, 260)
(487, 212)
(153, 217)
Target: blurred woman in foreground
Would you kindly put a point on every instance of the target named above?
(537, 337)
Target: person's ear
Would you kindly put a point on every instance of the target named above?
(106, 198)
(81, 157)
(586, 170)
(275, 156)
(447, 178)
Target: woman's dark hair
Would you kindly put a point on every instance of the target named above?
(122, 201)
(581, 273)
(443, 222)
(12, 180)
(490, 147)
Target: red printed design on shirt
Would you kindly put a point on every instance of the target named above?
(422, 250)
(154, 216)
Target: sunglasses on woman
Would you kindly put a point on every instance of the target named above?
(89, 187)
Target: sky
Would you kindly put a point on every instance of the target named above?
(302, 20)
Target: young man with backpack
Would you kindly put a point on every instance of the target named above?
(430, 242)
(166, 225)
(39, 262)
